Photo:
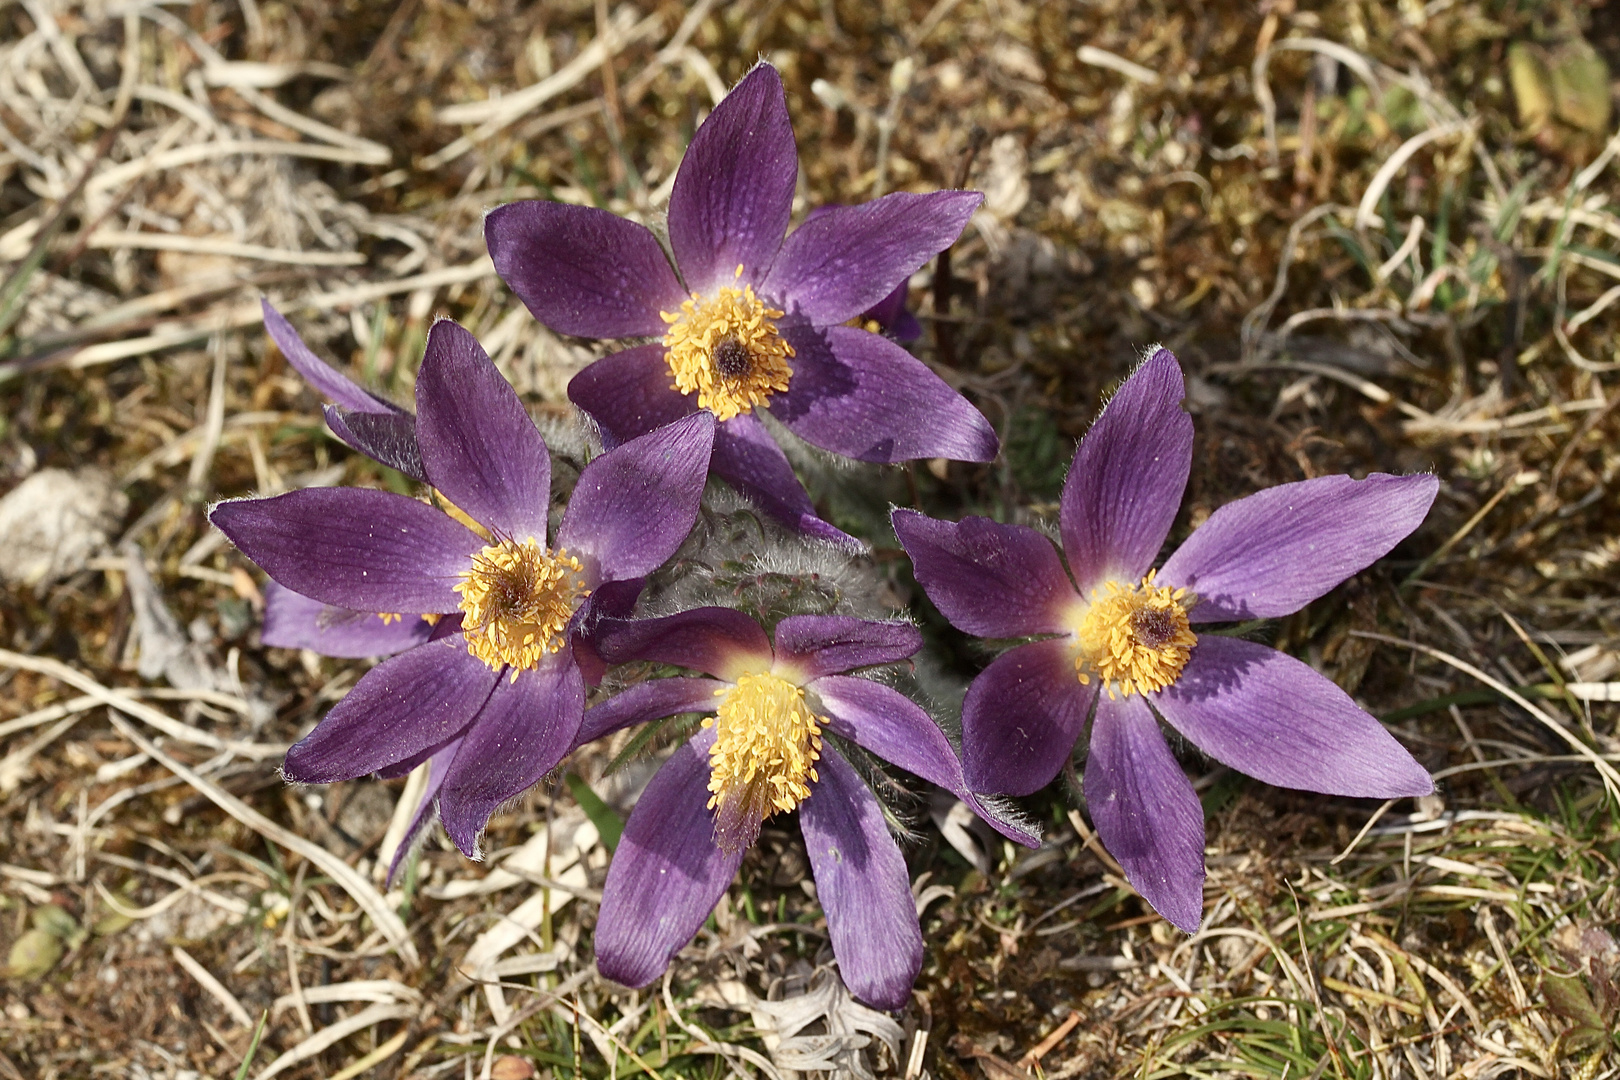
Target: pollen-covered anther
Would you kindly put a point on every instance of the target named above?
(767, 743)
(516, 602)
(726, 349)
(1135, 639)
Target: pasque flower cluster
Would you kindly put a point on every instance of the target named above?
(498, 623)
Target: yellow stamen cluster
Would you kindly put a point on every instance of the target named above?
(516, 601)
(766, 746)
(727, 351)
(1135, 638)
(389, 618)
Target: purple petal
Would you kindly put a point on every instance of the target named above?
(1125, 485)
(1265, 713)
(629, 393)
(388, 438)
(406, 705)
(318, 373)
(478, 443)
(862, 396)
(734, 190)
(635, 504)
(817, 645)
(292, 621)
(747, 458)
(715, 640)
(1275, 551)
(581, 270)
(896, 729)
(989, 579)
(863, 886)
(426, 810)
(652, 700)
(1021, 718)
(667, 872)
(1146, 812)
(354, 547)
(843, 261)
(892, 317)
(523, 731)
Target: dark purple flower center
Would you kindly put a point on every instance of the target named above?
(732, 360)
(1154, 627)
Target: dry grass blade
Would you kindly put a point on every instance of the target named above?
(371, 901)
(215, 988)
(143, 712)
(1611, 778)
(498, 114)
(335, 1033)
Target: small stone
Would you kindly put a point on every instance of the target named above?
(54, 521)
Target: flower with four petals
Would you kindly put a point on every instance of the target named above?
(750, 316)
(763, 753)
(1118, 641)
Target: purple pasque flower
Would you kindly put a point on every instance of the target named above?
(500, 670)
(760, 754)
(375, 426)
(747, 318)
(1119, 635)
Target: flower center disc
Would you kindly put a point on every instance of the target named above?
(727, 351)
(516, 602)
(1135, 638)
(766, 746)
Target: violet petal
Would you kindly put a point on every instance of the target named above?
(747, 458)
(817, 645)
(629, 393)
(426, 811)
(292, 621)
(989, 579)
(843, 261)
(403, 706)
(654, 699)
(667, 872)
(892, 317)
(860, 395)
(863, 886)
(634, 505)
(581, 270)
(1275, 551)
(523, 731)
(896, 729)
(387, 438)
(1128, 475)
(1146, 812)
(714, 640)
(733, 192)
(326, 379)
(1267, 714)
(354, 547)
(1021, 718)
(481, 449)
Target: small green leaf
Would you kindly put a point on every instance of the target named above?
(1568, 998)
(34, 954)
(52, 919)
(253, 1048)
(609, 825)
